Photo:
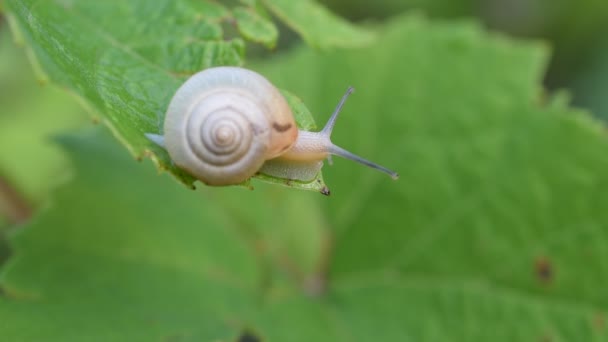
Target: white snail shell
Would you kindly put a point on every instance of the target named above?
(224, 124)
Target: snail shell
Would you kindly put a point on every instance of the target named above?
(225, 122)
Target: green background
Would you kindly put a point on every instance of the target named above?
(496, 229)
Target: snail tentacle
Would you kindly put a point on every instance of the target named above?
(157, 139)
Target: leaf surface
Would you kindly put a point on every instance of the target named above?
(495, 231)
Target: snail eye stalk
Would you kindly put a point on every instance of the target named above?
(338, 151)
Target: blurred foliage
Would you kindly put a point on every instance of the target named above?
(591, 84)
(318, 26)
(365, 10)
(575, 29)
(495, 231)
(30, 166)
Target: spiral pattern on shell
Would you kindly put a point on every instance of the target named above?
(221, 125)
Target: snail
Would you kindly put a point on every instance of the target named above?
(225, 124)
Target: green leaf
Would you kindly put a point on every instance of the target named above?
(127, 59)
(30, 167)
(317, 25)
(500, 201)
(255, 27)
(97, 263)
(495, 231)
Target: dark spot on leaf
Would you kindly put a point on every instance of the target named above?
(174, 338)
(16, 208)
(599, 321)
(325, 191)
(315, 285)
(281, 128)
(5, 254)
(545, 338)
(247, 336)
(544, 270)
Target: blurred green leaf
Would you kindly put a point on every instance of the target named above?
(496, 230)
(500, 200)
(591, 83)
(317, 25)
(30, 166)
(125, 270)
(378, 9)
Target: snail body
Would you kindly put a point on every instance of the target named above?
(225, 124)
